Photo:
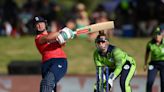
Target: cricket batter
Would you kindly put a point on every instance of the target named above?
(119, 62)
(155, 48)
(54, 60)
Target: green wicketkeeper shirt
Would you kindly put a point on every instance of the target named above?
(115, 58)
(156, 51)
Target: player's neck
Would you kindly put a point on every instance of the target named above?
(104, 51)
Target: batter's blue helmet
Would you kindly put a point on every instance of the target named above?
(39, 19)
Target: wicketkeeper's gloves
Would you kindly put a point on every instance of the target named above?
(111, 79)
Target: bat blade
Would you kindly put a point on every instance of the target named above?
(95, 27)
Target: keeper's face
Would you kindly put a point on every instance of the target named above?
(158, 38)
(102, 43)
(40, 26)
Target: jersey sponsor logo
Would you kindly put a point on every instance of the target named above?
(126, 67)
(151, 67)
(110, 60)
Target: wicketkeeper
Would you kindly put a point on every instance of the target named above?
(118, 61)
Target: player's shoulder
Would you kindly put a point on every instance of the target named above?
(37, 36)
(152, 41)
(41, 35)
(117, 50)
(95, 52)
(110, 48)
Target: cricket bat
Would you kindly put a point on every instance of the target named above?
(95, 28)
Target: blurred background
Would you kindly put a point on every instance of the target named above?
(135, 21)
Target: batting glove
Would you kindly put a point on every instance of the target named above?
(67, 33)
(64, 35)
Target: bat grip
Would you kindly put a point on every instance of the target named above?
(75, 33)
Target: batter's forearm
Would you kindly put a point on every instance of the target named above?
(117, 71)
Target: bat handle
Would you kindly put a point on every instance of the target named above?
(75, 33)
